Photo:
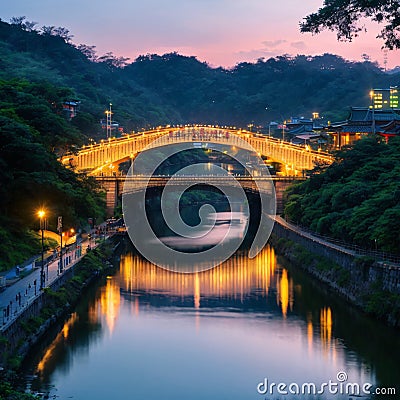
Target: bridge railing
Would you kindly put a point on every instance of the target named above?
(356, 249)
(144, 177)
(98, 155)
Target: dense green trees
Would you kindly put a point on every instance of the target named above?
(33, 131)
(172, 89)
(257, 92)
(357, 199)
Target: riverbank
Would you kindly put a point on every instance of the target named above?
(48, 309)
(371, 286)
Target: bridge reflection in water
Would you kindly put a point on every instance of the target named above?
(238, 285)
(254, 312)
(234, 280)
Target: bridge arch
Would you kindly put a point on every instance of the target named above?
(100, 158)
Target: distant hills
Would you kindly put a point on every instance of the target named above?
(172, 89)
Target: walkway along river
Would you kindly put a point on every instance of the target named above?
(145, 333)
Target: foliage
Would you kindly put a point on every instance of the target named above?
(343, 16)
(8, 392)
(16, 244)
(174, 89)
(260, 92)
(356, 199)
(382, 303)
(33, 132)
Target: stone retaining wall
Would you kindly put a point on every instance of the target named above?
(386, 274)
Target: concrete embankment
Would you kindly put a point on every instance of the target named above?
(53, 303)
(370, 285)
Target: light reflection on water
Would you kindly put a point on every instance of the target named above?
(210, 335)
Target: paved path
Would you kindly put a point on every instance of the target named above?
(17, 296)
(316, 239)
(353, 250)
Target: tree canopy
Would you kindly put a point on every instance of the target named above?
(357, 198)
(33, 130)
(343, 16)
(174, 89)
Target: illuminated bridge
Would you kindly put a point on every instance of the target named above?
(103, 157)
(101, 160)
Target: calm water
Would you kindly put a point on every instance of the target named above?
(149, 334)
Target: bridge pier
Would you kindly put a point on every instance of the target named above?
(111, 187)
(280, 187)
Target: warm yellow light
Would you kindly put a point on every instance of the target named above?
(72, 230)
(41, 213)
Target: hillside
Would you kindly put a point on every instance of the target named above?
(357, 199)
(173, 89)
(33, 130)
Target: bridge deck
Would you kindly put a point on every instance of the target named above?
(101, 157)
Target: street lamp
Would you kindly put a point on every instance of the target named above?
(371, 95)
(109, 114)
(41, 214)
(60, 228)
(283, 130)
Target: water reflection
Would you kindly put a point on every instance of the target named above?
(326, 327)
(237, 279)
(106, 309)
(60, 339)
(219, 227)
(237, 323)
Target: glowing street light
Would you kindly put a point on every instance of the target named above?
(372, 95)
(60, 232)
(41, 214)
(109, 121)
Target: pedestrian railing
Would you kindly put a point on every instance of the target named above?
(377, 255)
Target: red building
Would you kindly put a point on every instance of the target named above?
(363, 121)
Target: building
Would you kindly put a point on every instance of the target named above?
(383, 99)
(71, 108)
(382, 117)
(305, 131)
(389, 130)
(112, 128)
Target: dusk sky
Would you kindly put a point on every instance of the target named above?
(221, 32)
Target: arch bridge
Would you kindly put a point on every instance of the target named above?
(101, 158)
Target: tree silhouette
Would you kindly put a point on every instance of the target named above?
(88, 51)
(113, 61)
(343, 17)
(23, 23)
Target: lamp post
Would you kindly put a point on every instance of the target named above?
(60, 228)
(71, 234)
(371, 95)
(41, 215)
(109, 121)
(283, 130)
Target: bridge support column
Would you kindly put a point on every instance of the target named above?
(280, 187)
(111, 186)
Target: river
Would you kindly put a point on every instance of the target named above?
(228, 333)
